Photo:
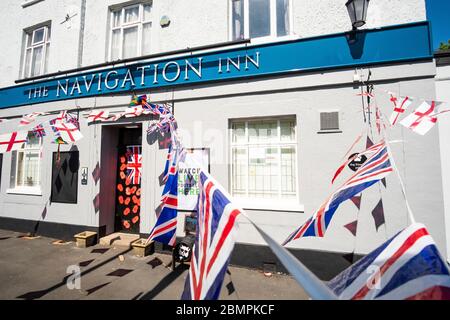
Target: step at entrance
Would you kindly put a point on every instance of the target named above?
(119, 239)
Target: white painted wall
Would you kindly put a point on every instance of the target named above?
(443, 94)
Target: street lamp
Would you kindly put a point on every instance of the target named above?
(357, 10)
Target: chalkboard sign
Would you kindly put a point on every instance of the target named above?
(65, 177)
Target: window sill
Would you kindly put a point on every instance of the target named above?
(32, 191)
(29, 3)
(329, 131)
(269, 206)
(264, 40)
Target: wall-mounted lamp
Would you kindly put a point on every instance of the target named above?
(357, 10)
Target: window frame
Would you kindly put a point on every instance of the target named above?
(273, 23)
(45, 43)
(22, 189)
(140, 23)
(278, 203)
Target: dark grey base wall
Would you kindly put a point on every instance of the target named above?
(48, 229)
(326, 265)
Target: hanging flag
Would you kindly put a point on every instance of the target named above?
(168, 166)
(133, 112)
(70, 118)
(355, 157)
(98, 115)
(378, 214)
(406, 267)
(352, 227)
(116, 116)
(401, 104)
(373, 170)
(164, 230)
(422, 119)
(369, 143)
(378, 119)
(39, 131)
(58, 140)
(366, 94)
(134, 165)
(30, 118)
(356, 201)
(215, 238)
(137, 100)
(12, 141)
(68, 131)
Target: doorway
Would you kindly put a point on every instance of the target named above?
(128, 180)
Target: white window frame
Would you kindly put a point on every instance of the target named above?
(139, 23)
(273, 23)
(276, 204)
(34, 190)
(44, 43)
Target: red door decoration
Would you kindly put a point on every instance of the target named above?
(128, 189)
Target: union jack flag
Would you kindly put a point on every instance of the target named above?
(215, 238)
(134, 164)
(164, 230)
(373, 170)
(406, 267)
(39, 131)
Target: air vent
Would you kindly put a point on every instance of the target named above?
(329, 121)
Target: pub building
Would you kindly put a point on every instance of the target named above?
(264, 92)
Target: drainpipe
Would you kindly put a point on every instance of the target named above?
(81, 35)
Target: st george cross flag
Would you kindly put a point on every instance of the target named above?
(164, 230)
(406, 267)
(373, 170)
(401, 104)
(98, 115)
(12, 141)
(133, 112)
(134, 164)
(29, 118)
(422, 119)
(67, 131)
(215, 238)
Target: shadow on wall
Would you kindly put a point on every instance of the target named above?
(356, 40)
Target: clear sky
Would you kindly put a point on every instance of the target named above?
(438, 12)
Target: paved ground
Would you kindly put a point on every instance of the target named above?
(38, 269)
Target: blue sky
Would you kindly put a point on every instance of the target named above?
(438, 12)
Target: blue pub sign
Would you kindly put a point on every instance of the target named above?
(385, 45)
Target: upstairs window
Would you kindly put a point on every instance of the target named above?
(37, 50)
(130, 31)
(260, 18)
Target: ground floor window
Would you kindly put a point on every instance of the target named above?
(26, 165)
(263, 158)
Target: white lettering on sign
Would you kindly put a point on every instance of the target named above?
(143, 75)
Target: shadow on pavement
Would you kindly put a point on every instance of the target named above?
(39, 294)
(165, 282)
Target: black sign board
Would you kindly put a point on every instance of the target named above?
(357, 162)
